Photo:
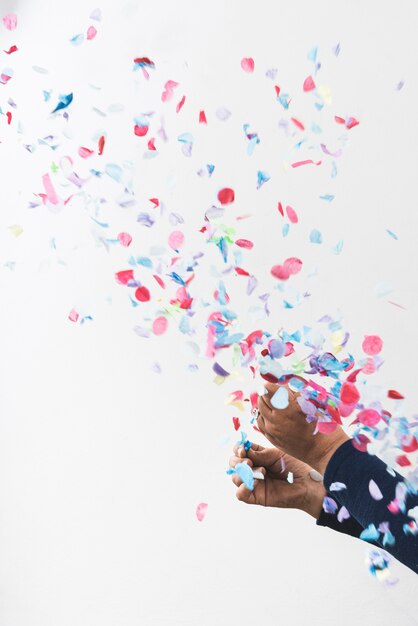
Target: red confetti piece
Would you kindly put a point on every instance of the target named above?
(101, 145)
(151, 144)
(180, 104)
(292, 215)
(142, 294)
(395, 395)
(403, 461)
(140, 131)
(226, 195)
(201, 511)
(241, 272)
(244, 243)
(9, 117)
(73, 315)
(125, 239)
(91, 33)
(236, 422)
(155, 202)
(202, 117)
(85, 153)
(409, 443)
(372, 344)
(124, 276)
(280, 208)
(351, 122)
(11, 50)
(277, 90)
(247, 65)
(360, 442)
(297, 123)
(159, 325)
(309, 84)
(339, 120)
(349, 393)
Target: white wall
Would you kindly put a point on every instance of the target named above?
(102, 461)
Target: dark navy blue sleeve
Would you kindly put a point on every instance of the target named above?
(348, 526)
(377, 501)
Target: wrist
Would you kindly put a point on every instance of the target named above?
(314, 499)
(330, 445)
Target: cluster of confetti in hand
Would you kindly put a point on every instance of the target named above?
(164, 286)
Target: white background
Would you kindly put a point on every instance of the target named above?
(102, 461)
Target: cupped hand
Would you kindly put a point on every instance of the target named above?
(289, 430)
(275, 490)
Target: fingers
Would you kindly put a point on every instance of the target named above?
(234, 460)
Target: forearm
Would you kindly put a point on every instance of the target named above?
(383, 517)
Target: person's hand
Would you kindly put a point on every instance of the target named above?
(289, 430)
(304, 493)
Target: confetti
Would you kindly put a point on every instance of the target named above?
(247, 65)
(10, 21)
(201, 511)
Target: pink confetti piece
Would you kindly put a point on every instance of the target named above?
(11, 50)
(176, 239)
(369, 417)
(49, 188)
(247, 65)
(244, 243)
(202, 117)
(226, 196)
(85, 153)
(73, 316)
(292, 215)
(374, 490)
(125, 239)
(297, 123)
(159, 325)
(168, 92)
(372, 344)
(201, 511)
(305, 162)
(10, 21)
(91, 33)
(290, 267)
(309, 84)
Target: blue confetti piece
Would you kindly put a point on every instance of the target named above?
(337, 249)
(285, 230)
(63, 102)
(280, 400)
(327, 197)
(262, 177)
(370, 533)
(315, 236)
(245, 473)
(77, 40)
(329, 505)
(392, 234)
